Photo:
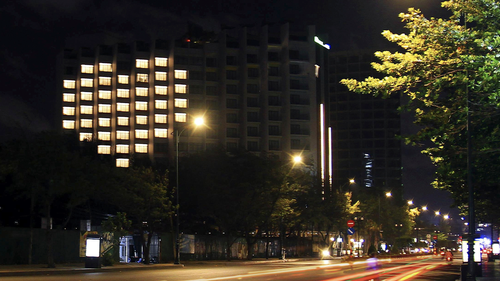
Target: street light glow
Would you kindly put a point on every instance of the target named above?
(437, 213)
(388, 194)
(424, 208)
(410, 202)
(199, 121)
(352, 181)
(297, 159)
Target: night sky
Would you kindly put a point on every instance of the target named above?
(34, 31)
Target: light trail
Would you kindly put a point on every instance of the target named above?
(407, 275)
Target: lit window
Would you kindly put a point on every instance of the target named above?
(104, 81)
(160, 104)
(104, 122)
(123, 121)
(181, 103)
(122, 107)
(123, 79)
(180, 74)
(161, 76)
(180, 117)
(180, 88)
(104, 149)
(141, 63)
(67, 97)
(141, 105)
(141, 148)
(86, 123)
(86, 95)
(161, 133)
(122, 148)
(105, 67)
(141, 120)
(141, 91)
(105, 136)
(86, 109)
(163, 62)
(142, 77)
(85, 136)
(69, 84)
(122, 162)
(105, 95)
(104, 108)
(68, 110)
(123, 93)
(87, 82)
(141, 134)
(68, 124)
(161, 118)
(161, 90)
(122, 135)
(87, 68)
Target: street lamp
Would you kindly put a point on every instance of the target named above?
(388, 194)
(198, 121)
(297, 159)
(351, 181)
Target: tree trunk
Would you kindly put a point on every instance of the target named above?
(267, 244)
(147, 246)
(50, 255)
(250, 243)
(229, 244)
(32, 209)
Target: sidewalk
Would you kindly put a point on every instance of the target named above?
(490, 271)
(17, 270)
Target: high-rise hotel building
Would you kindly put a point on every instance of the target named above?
(257, 88)
(365, 139)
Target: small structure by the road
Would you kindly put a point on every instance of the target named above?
(93, 251)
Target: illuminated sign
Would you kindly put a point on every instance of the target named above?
(317, 40)
(465, 251)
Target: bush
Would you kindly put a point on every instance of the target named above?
(107, 259)
(372, 250)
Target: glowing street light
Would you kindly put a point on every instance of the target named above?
(388, 194)
(198, 121)
(297, 159)
(410, 202)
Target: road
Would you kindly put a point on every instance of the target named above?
(417, 269)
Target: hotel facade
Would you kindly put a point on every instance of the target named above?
(258, 89)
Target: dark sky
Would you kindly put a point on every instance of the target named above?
(34, 31)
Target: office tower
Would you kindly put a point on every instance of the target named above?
(256, 87)
(365, 128)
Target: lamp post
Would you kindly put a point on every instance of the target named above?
(197, 122)
(351, 181)
(358, 222)
(388, 194)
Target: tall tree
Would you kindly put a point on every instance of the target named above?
(146, 197)
(449, 69)
(50, 168)
(241, 193)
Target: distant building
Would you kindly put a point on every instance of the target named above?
(365, 128)
(259, 89)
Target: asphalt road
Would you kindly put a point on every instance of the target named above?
(430, 268)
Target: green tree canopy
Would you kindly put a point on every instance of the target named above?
(239, 194)
(449, 68)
